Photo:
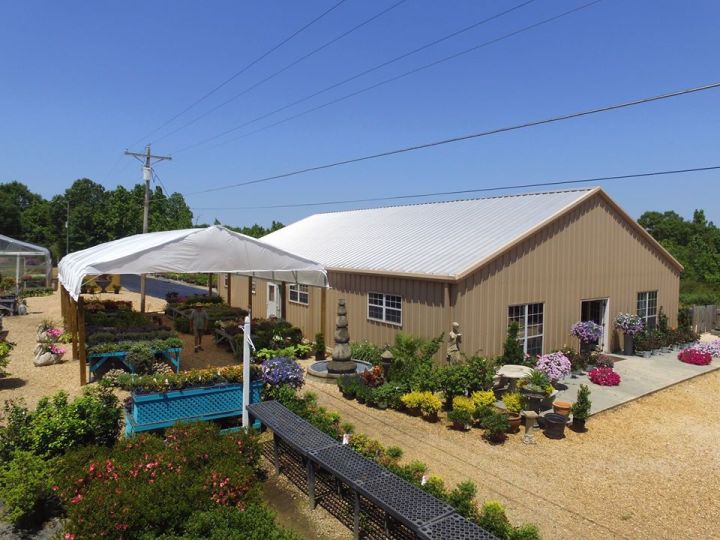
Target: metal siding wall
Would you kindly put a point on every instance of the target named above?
(590, 253)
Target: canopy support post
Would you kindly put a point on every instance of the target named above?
(17, 274)
(229, 288)
(246, 372)
(250, 295)
(210, 284)
(323, 310)
(283, 301)
(81, 341)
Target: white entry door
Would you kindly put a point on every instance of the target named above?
(274, 301)
(597, 311)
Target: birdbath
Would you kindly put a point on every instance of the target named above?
(513, 372)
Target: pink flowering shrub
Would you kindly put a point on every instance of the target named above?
(555, 365)
(604, 376)
(695, 355)
(56, 349)
(149, 483)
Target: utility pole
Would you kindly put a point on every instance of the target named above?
(146, 158)
(67, 229)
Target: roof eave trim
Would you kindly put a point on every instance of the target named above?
(409, 275)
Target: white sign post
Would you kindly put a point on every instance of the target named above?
(246, 372)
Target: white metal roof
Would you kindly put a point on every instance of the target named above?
(435, 239)
(212, 249)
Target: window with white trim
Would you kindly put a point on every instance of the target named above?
(529, 318)
(647, 308)
(299, 294)
(385, 307)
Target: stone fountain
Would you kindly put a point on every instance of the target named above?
(342, 362)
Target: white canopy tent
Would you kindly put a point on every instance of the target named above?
(212, 250)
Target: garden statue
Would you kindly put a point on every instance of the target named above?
(341, 356)
(454, 340)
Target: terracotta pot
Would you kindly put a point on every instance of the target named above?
(514, 421)
(562, 407)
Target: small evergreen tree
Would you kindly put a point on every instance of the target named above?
(581, 407)
(513, 352)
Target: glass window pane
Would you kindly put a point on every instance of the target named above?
(534, 346)
(393, 315)
(375, 312)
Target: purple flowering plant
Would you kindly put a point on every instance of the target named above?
(555, 365)
(710, 347)
(629, 324)
(587, 331)
(281, 370)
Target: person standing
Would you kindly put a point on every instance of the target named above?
(199, 321)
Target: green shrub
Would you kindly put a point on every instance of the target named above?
(57, 424)
(460, 416)
(255, 522)
(494, 520)
(496, 425)
(274, 334)
(525, 532)
(319, 344)
(148, 483)
(24, 487)
(462, 498)
(410, 354)
(5, 348)
(366, 351)
(581, 407)
(513, 352)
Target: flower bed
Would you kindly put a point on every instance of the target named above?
(604, 376)
(711, 347)
(696, 356)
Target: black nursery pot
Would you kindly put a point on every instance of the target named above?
(555, 425)
(578, 424)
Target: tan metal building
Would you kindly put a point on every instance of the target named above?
(545, 260)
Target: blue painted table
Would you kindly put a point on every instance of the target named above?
(96, 360)
(158, 410)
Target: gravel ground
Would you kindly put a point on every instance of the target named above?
(31, 383)
(648, 469)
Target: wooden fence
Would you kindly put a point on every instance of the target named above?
(704, 318)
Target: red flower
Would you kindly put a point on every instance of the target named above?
(76, 499)
(604, 376)
(695, 356)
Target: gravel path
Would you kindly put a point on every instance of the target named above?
(648, 469)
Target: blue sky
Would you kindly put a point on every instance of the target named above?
(81, 81)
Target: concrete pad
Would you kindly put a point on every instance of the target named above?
(638, 377)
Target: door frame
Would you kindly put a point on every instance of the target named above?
(277, 301)
(605, 341)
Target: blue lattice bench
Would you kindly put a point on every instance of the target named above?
(96, 360)
(163, 409)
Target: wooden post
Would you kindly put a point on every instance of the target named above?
(250, 295)
(210, 284)
(81, 341)
(323, 310)
(229, 288)
(283, 301)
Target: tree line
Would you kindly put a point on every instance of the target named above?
(696, 244)
(93, 215)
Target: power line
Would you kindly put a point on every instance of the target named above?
(384, 81)
(284, 69)
(515, 127)
(241, 71)
(478, 190)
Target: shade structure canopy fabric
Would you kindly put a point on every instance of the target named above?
(18, 258)
(211, 250)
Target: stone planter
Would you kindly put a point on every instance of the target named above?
(514, 421)
(646, 354)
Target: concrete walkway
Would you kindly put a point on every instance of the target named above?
(638, 377)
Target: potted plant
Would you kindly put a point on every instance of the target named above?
(562, 408)
(496, 426)
(412, 400)
(362, 392)
(461, 419)
(555, 365)
(430, 405)
(588, 332)
(348, 385)
(513, 405)
(581, 408)
(641, 342)
(555, 425)
(536, 391)
(383, 395)
(604, 376)
(630, 325)
(319, 346)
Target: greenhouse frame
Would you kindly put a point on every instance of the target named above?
(27, 264)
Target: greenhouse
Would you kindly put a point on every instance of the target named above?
(23, 265)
